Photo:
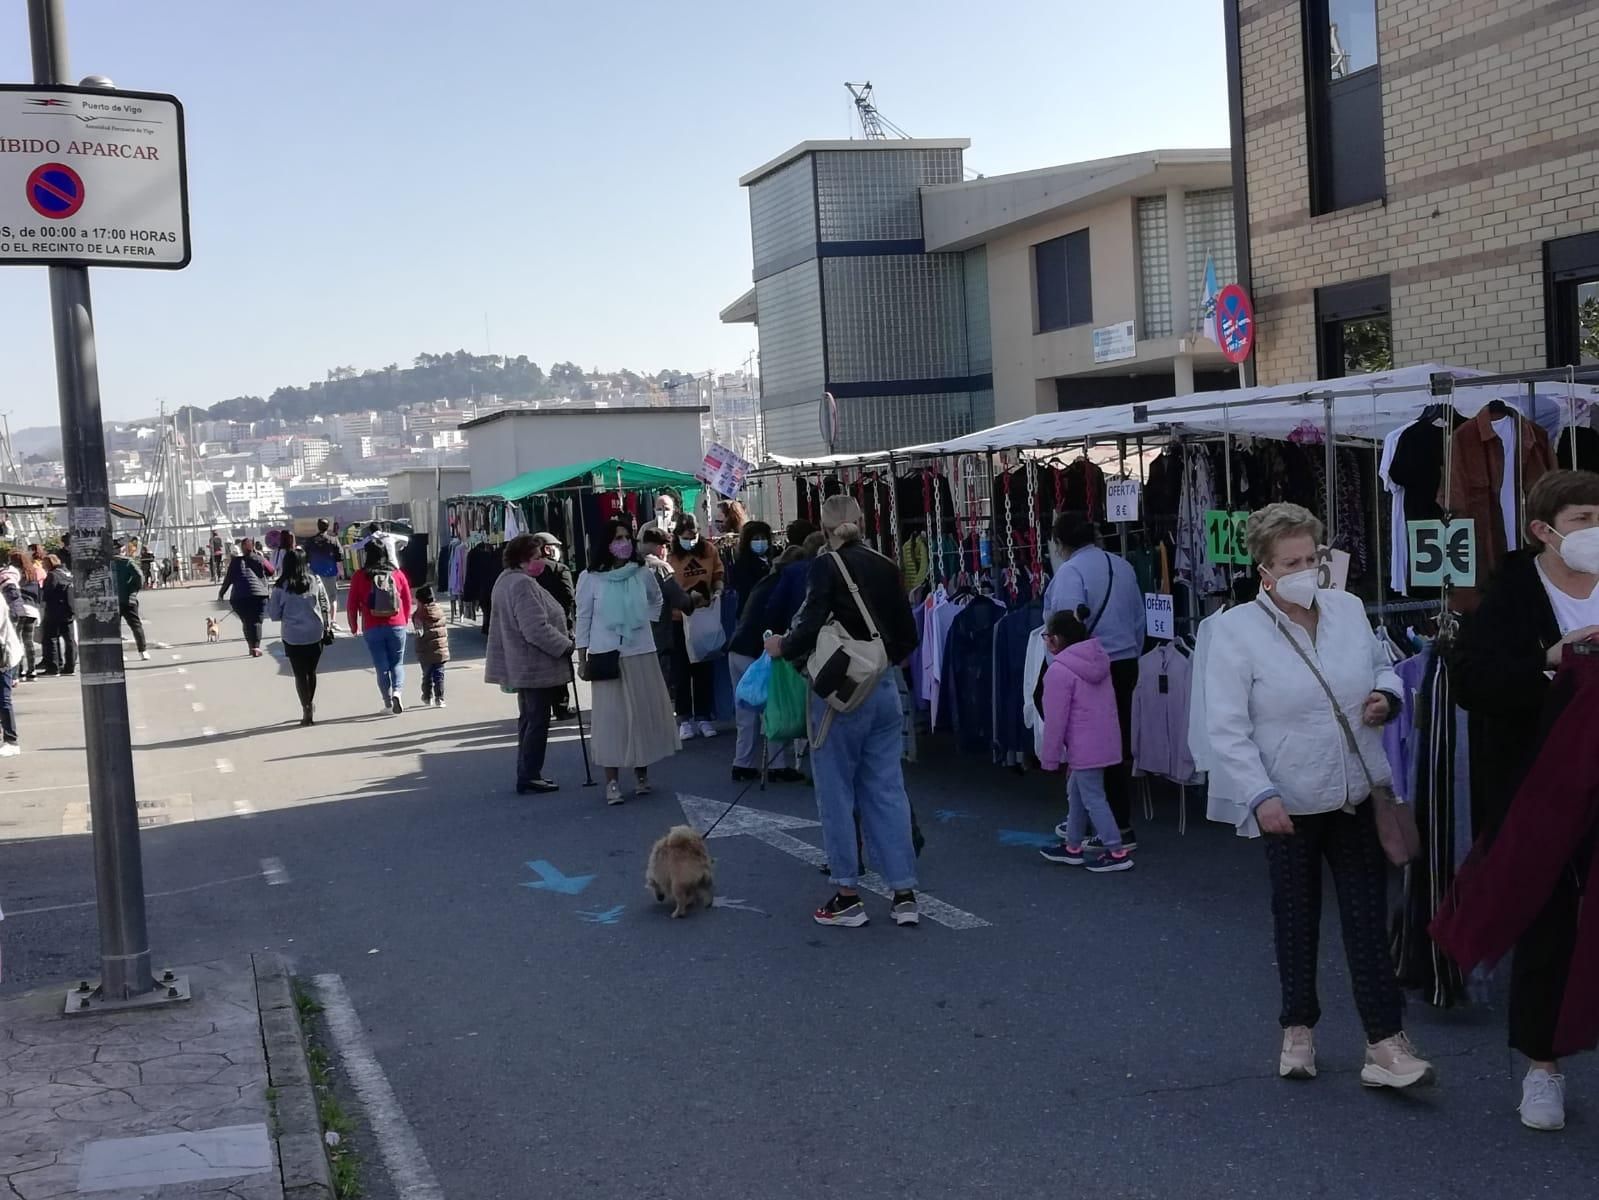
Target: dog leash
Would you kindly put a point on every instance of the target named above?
(766, 763)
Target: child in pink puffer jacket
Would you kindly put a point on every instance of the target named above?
(1080, 724)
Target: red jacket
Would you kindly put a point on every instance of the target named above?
(360, 602)
(1549, 831)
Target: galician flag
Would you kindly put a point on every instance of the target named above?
(1207, 320)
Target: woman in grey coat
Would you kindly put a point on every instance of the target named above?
(301, 606)
(529, 652)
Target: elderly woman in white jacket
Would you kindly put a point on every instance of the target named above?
(1289, 763)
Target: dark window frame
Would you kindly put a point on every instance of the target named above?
(1073, 295)
(1568, 263)
(1339, 116)
(1340, 304)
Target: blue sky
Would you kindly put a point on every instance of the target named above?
(368, 180)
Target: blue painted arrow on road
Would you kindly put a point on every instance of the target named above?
(550, 879)
(1025, 837)
(947, 816)
(609, 917)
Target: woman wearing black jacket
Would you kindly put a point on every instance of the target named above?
(55, 623)
(751, 561)
(1541, 599)
(754, 623)
(247, 578)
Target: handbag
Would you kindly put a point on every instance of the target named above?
(598, 668)
(1396, 821)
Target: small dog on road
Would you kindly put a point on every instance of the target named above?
(680, 870)
(213, 631)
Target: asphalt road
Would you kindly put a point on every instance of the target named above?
(1112, 1036)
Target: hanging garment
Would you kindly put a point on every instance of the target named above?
(1160, 715)
(969, 673)
(942, 618)
(1163, 486)
(1479, 473)
(1198, 498)
(1547, 842)
(1012, 736)
(1033, 668)
(1225, 801)
(1399, 542)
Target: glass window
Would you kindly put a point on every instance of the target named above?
(1364, 345)
(1588, 322)
(1351, 36)
(1063, 284)
(1355, 331)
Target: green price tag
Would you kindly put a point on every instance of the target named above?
(1241, 539)
(1224, 538)
(1443, 554)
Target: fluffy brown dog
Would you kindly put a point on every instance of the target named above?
(680, 869)
(212, 629)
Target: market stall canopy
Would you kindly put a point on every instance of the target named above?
(601, 473)
(1364, 406)
(25, 496)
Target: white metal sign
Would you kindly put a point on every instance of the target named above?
(1115, 342)
(92, 177)
(724, 470)
(1121, 500)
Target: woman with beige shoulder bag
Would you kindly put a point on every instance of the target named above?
(1297, 689)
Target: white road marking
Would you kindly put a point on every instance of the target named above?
(177, 658)
(407, 1165)
(188, 687)
(207, 731)
(769, 827)
(183, 670)
(243, 808)
(224, 766)
(274, 872)
(197, 706)
(183, 891)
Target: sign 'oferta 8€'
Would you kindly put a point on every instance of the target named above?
(92, 177)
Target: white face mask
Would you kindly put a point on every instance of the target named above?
(1580, 550)
(1298, 588)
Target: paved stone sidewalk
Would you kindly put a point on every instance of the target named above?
(187, 1085)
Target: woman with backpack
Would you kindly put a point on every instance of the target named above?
(381, 601)
(246, 579)
(302, 607)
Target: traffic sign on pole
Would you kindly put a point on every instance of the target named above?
(1235, 323)
(92, 176)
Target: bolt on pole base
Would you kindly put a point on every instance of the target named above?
(87, 999)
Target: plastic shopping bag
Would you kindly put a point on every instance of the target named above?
(787, 695)
(753, 687)
(703, 634)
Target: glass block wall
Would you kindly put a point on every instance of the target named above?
(979, 333)
(884, 422)
(790, 310)
(896, 316)
(871, 196)
(1208, 218)
(783, 218)
(1154, 264)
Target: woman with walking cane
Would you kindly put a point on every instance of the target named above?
(617, 599)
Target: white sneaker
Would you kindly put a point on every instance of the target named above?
(1543, 1101)
(1394, 1063)
(613, 792)
(685, 731)
(1298, 1057)
(144, 654)
(707, 730)
(10, 750)
(439, 703)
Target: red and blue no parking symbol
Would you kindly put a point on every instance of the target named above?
(1235, 323)
(55, 190)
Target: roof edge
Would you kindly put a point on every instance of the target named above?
(823, 144)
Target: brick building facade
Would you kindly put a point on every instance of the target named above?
(1417, 179)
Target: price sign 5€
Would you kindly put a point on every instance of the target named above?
(1225, 540)
(1443, 553)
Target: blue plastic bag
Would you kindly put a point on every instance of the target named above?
(752, 689)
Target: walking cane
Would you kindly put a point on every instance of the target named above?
(582, 738)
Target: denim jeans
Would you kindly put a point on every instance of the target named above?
(8, 714)
(1085, 797)
(747, 752)
(386, 645)
(857, 769)
(432, 681)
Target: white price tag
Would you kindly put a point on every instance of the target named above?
(1121, 500)
(1333, 574)
(1159, 619)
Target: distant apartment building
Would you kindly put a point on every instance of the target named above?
(346, 428)
(311, 451)
(1415, 182)
(252, 499)
(849, 302)
(389, 424)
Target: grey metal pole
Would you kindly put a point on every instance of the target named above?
(118, 865)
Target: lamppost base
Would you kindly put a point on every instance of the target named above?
(87, 1000)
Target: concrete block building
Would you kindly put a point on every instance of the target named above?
(1414, 181)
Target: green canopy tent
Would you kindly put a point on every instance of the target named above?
(601, 473)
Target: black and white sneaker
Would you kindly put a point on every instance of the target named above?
(847, 911)
(395, 705)
(1094, 844)
(905, 910)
